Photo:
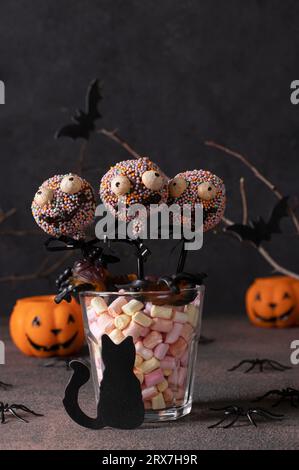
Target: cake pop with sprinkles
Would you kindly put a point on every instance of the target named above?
(64, 205)
(138, 181)
(199, 187)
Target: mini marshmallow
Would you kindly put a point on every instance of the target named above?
(173, 378)
(168, 362)
(122, 321)
(178, 348)
(139, 375)
(180, 317)
(159, 324)
(184, 358)
(133, 330)
(95, 330)
(148, 393)
(167, 372)
(150, 365)
(142, 319)
(153, 378)
(104, 321)
(148, 307)
(91, 314)
(158, 402)
(147, 405)
(179, 393)
(144, 331)
(109, 328)
(132, 307)
(145, 353)
(187, 332)
(162, 386)
(138, 361)
(116, 336)
(182, 376)
(192, 312)
(115, 308)
(161, 311)
(151, 340)
(161, 350)
(174, 334)
(99, 305)
(168, 395)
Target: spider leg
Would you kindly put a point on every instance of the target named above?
(277, 403)
(293, 402)
(238, 365)
(278, 364)
(266, 414)
(250, 417)
(16, 415)
(218, 423)
(25, 408)
(2, 413)
(251, 368)
(233, 421)
(5, 386)
(271, 392)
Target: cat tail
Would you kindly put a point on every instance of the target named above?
(80, 376)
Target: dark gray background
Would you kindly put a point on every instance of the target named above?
(175, 73)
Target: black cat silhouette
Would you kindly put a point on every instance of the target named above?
(120, 404)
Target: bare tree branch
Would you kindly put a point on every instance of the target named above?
(257, 173)
(276, 266)
(114, 136)
(244, 201)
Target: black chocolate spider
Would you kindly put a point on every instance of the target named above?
(261, 363)
(288, 393)
(13, 409)
(234, 413)
(5, 386)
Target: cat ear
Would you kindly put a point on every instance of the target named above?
(107, 343)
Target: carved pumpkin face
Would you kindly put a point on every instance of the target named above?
(273, 302)
(41, 328)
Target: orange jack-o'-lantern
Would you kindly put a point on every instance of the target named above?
(41, 328)
(273, 302)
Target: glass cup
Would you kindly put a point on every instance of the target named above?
(165, 336)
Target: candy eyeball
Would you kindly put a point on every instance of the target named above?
(141, 181)
(152, 180)
(43, 196)
(206, 191)
(199, 187)
(64, 205)
(120, 185)
(71, 184)
(177, 186)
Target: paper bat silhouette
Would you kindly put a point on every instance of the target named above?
(84, 121)
(258, 231)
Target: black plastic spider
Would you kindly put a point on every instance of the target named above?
(288, 393)
(235, 412)
(203, 340)
(6, 408)
(261, 363)
(5, 386)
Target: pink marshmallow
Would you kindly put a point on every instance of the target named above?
(178, 348)
(114, 308)
(179, 393)
(159, 324)
(143, 352)
(187, 331)
(182, 376)
(104, 321)
(147, 308)
(148, 393)
(174, 334)
(91, 314)
(144, 331)
(152, 339)
(161, 350)
(153, 378)
(184, 358)
(133, 330)
(168, 363)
